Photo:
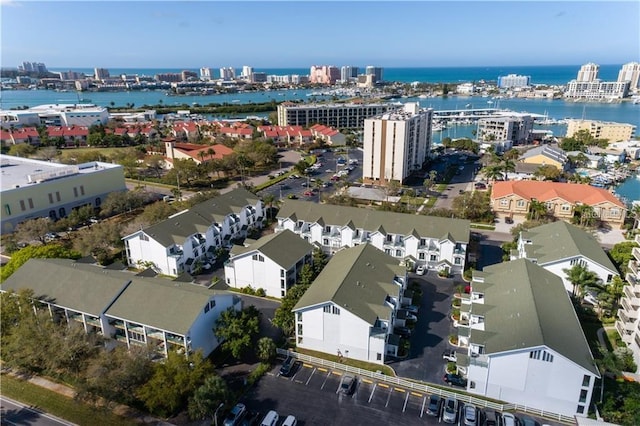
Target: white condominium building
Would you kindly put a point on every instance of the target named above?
(227, 73)
(247, 72)
(513, 80)
(627, 324)
(348, 73)
(516, 128)
(205, 73)
(630, 72)
(55, 115)
(596, 90)
(588, 72)
(396, 144)
(339, 116)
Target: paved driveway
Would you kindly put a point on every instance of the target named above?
(430, 336)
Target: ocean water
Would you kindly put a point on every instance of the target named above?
(630, 189)
(556, 74)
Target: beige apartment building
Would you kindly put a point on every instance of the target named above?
(613, 132)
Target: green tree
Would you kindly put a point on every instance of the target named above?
(47, 251)
(22, 150)
(33, 229)
(121, 202)
(268, 200)
(584, 215)
(492, 172)
(173, 381)
(208, 397)
(319, 261)
(284, 317)
(507, 166)
(266, 349)
(307, 275)
(99, 240)
(537, 211)
(237, 329)
(157, 212)
(547, 172)
(620, 254)
(581, 278)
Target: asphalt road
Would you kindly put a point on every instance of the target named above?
(15, 413)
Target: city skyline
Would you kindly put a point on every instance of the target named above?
(294, 34)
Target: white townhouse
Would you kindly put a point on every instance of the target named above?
(524, 342)
(436, 242)
(272, 263)
(559, 245)
(153, 312)
(350, 308)
(191, 237)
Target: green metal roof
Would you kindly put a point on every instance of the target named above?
(285, 248)
(200, 217)
(357, 279)
(532, 308)
(372, 220)
(63, 282)
(561, 240)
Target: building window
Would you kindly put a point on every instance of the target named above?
(586, 380)
(614, 212)
(423, 241)
(325, 242)
(22, 206)
(583, 395)
(398, 253)
(50, 198)
(433, 258)
(62, 212)
(81, 189)
(98, 202)
(299, 315)
(457, 261)
(421, 256)
(30, 200)
(335, 311)
(326, 309)
(144, 237)
(212, 304)
(580, 409)
(283, 293)
(504, 202)
(520, 203)
(58, 196)
(7, 209)
(389, 238)
(387, 251)
(206, 309)
(566, 207)
(75, 192)
(300, 329)
(281, 272)
(379, 356)
(327, 229)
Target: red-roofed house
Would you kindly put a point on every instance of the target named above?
(330, 135)
(513, 199)
(74, 135)
(186, 130)
(22, 135)
(198, 153)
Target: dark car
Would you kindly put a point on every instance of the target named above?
(527, 421)
(490, 418)
(508, 220)
(348, 385)
(455, 379)
(287, 367)
(292, 196)
(434, 406)
(402, 331)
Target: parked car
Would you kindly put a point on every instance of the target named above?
(292, 196)
(252, 418)
(348, 385)
(490, 418)
(509, 419)
(450, 413)
(434, 406)
(290, 421)
(455, 379)
(450, 355)
(235, 415)
(411, 308)
(271, 419)
(421, 269)
(287, 367)
(508, 220)
(526, 421)
(402, 331)
(308, 193)
(470, 415)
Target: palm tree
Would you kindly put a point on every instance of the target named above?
(211, 152)
(492, 172)
(582, 279)
(508, 166)
(268, 199)
(537, 210)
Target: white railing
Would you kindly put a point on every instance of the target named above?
(424, 388)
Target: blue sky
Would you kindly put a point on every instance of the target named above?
(127, 34)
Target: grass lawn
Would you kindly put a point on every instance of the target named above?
(69, 153)
(351, 362)
(59, 405)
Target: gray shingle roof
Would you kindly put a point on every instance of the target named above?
(200, 217)
(561, 240)
(548, 151)
(285, 248)
(372, 220)
(532, 309)
(357, 279)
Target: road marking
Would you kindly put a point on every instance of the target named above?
(325, 380)
(424, 401)
(400, 390)
(298, 381)
(388, 398)
(419, 395)
(310, 376)
(383, 385)
(337, 373)
(404, 407)
(372, 391)
(367, 381)
(307, 365)
(324, 370)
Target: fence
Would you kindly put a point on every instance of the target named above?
(419, 387)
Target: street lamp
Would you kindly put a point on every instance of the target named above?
(215, 415)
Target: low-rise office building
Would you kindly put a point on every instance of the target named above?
(350, 308)
(546, 155)
(559, 245)
(137, 311)
(55, 115)
(435, 242)
(31, 189)
(516, 129)
(188, 240)
(524, 342)
(272, 263)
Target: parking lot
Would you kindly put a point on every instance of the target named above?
(312, 394)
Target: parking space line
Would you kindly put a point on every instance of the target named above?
(310, 376)
(372, 391)
(367, 381)
(388, 398)
(383, 385)
(404, 407)
(419, 395)
(307, 365)
(325, 379)
(424, 401)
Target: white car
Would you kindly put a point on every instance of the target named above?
(421, 269)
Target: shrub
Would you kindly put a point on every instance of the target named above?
(261, 292)
(247, 290)
(453, 339)
(256, 374)
(451, 367)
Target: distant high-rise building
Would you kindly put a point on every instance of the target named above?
(588, 72)
(375, 71)
(348, 73)
(513, 80)
(38, 67)
(247, 72)
(396, 144)
(630, 72)
(205, 73)
(100, 73)
(169, 77)
(324, 74)
(227, 73)
(259, 77)
(186, 75)
(70, 75)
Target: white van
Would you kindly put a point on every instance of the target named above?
(290, 421)
(271, 419)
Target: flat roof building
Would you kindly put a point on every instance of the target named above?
(55, 115)
(340, 116)
(613, 132)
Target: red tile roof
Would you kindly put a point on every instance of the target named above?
(544, 191)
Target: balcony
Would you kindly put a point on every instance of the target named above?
(629, 292)
(626, 316)
(624, 329)
(636, 252)
(479, 360)
(633, 267)
(94, 321)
